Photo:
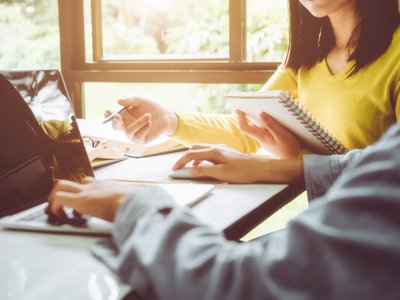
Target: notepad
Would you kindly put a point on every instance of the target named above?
(280, 106)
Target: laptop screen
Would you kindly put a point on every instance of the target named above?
(45, 94)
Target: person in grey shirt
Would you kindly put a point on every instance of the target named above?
(346, 245)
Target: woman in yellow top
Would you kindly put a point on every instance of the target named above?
(342, 65)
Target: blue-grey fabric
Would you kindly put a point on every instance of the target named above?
(321, 171)
(346, 245)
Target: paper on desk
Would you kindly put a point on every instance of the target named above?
(110, 138)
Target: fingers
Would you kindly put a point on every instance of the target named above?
(140, 134)
(120, 111)
(287, 145)
(107, 113)
(138, 130)
(279, 132)
(64, 198)
(126, 101)
(130, 101)
(68, 186)
(242, 119)
(88, 179)
(117, 122)
(251, 130)
(95, 198)
(62, 187)
(201, 146)
(196, 163)
(54, 208)
(272, 125)
(207, 154)
(123, 119)
(214, 171)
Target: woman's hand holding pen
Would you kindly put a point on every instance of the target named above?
(273, 137)
(144, 120)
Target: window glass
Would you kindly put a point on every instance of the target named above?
(87, 16)
(167, 27)
(267, 30)
(189, 97)
(29, 34)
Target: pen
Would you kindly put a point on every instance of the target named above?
(109, 118)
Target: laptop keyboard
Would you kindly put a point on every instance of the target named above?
(36, 216)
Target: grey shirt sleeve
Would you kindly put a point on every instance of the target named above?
(344, 247)
(321, 171)
(148, 200)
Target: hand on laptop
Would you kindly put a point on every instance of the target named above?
(96, 198)
(230, 165)
(144, 120)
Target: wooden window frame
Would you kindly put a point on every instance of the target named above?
(76, 69)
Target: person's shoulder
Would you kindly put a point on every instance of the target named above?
(396, 38)
(391, 57)
(394, 47)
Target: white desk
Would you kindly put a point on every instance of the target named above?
(232, 208)
(50, 266)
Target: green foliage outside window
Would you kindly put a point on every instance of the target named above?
(165, 27)
(29, 34)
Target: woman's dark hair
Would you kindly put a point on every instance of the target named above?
(311, 38)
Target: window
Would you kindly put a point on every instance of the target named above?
(134, 45)
(169, 29)
(267, 28)
(29, 34)
(212, 45)
(186, 53)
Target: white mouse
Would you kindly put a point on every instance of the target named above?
(183, 173)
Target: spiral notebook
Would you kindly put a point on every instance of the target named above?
(290, 114)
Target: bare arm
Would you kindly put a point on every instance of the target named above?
(232, 166)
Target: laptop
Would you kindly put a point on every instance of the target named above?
(24, 178)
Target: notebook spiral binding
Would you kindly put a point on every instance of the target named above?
(313, 126)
